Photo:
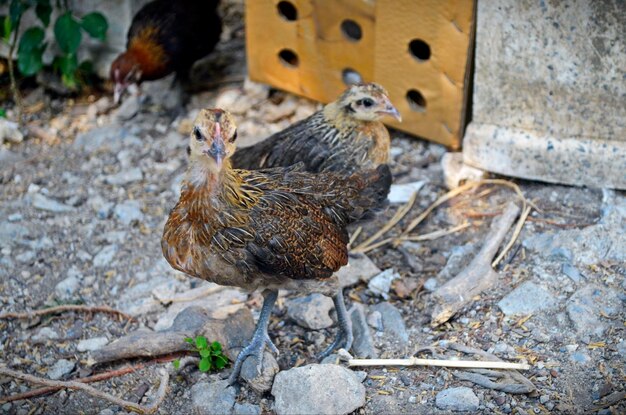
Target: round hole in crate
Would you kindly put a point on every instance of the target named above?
(289, 58)
(416, 100)
(350, 76)
(351, 30)
(419, 49)
(287, 10)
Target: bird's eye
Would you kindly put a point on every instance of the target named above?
(367, 102)
(234, 137)
(198, 134)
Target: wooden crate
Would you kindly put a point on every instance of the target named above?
(419, 50)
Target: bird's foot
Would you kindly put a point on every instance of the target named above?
(254, 349)
(343, 340)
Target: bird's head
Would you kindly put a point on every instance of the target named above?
(367, 102)
(213, 138)
(125, 71)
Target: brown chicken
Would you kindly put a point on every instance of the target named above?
(166, 36)
(266, 229)
(345, 136)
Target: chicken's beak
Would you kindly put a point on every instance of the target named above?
(217, 149)
(117, 92)
(391, 110)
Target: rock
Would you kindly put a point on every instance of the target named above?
(460, 257)
(41, 202)
(15, 217)
(105, 256)
(311, 312)
(25, 257)
(65, 289)
(99, 138)
(11, 233)
(359, 268)
(586, 307)
(128, 211)
(218, 304)
(129, 108)
(317, 389)
(431, 284)
(401, 193)
(260, 382)
(89, 345)
(572, 272)
(381, 283)
(275, 113)
(455, 172)
(124, 177)
(60, 368)
(375, 320)
(528, 298)
(9, 131)
(457, 399)
(46, 333)
(363, 345)
(246, 409)
(213, 398)
(102, 207)
(393, 324)
(234, 101)
(255, 91)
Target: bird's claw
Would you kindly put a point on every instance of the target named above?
(343, 340)
(254, 349)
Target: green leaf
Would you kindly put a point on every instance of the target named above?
(176, 363)
(86, 67)
(30, 62)
(204, 365)
(205, 353)
(189, 340)
(69, 80)
(216, 346)
(16, 9)
(68, 64)
(220, 362)
(67, 33)
(201, 342)
(5, 27)
(95, 24)
(31, 39)
(43, 10)
(3, 113)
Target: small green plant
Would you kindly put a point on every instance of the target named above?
(31, 44)
(211, 356)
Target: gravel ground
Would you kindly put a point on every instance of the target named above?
(84, 204)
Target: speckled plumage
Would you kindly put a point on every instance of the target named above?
(266, 228)
(332, 139)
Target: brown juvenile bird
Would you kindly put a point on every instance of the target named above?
(266, 229)
(166, 36)
(345, 136)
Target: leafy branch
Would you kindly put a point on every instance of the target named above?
(31, 44)
(211, 356)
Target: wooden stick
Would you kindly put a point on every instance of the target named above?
(516, 232)
(63, 308)
(149, 409)
(477, 276)
(414, 361)
(95, 378)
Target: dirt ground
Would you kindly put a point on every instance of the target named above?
(84, 201)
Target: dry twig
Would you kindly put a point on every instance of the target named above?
(149, 409)
(63, 308)
(414, 361)
(477, 276)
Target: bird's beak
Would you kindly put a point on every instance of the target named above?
(217, 149)
(118, 91)
(391, 111)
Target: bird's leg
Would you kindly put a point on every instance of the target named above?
(260, 338)
(344, 336)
